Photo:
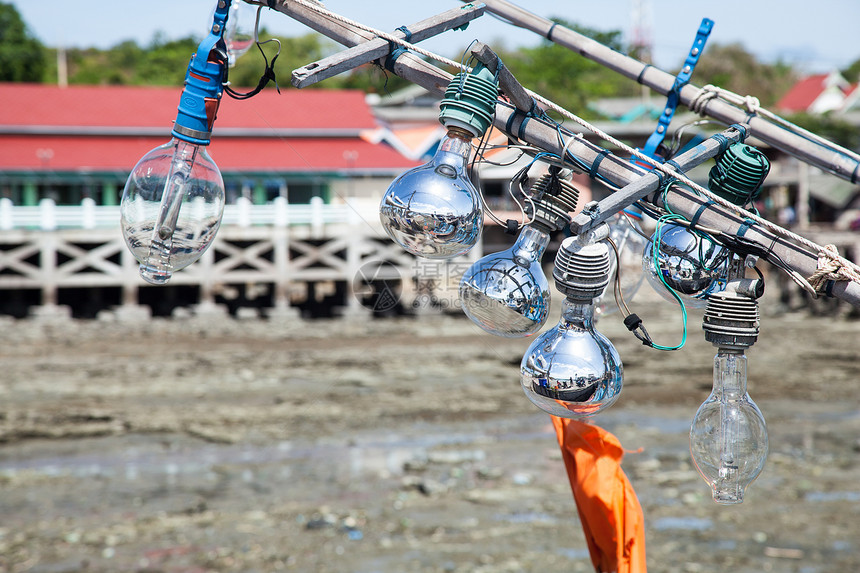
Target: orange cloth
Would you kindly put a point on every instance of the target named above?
(611, 516)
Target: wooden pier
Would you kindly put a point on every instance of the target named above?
(289, 252)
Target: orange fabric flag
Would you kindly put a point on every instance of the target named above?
(611, 516)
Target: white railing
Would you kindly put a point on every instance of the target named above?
(48, 216)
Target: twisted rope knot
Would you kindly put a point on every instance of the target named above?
(831, 268)
(700, 101)
(752, 104)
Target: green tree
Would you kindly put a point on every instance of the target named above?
(22, 56)
(852, 72)
(566, 77)
(831, 127)
(733, 68)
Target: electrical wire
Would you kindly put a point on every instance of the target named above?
(668, 170)
(655, 250)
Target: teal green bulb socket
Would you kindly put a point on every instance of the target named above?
(470, 101)
(739, 173)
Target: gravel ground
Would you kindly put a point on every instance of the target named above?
(397, 445)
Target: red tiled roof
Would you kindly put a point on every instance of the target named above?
(94, 154)
(803, 93)
(268, 146)
(127, 106)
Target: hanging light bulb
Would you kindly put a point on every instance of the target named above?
(507, 293)
(728, 437)
(239, 33)
(690, 264)
(572, 370)
(174, 197)
(630, 242)
(171, 208)
(434, 211)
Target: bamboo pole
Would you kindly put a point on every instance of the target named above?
(652, 181)
(547, 137)
(838, 160)
(378, 48)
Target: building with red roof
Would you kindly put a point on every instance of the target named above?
(78, 141)
(816, 94)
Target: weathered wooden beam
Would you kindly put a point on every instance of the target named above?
(651, 182)
(378, 48)
(841, 162)
(545, 136)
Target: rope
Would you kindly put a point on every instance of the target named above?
(830, 270)
(751, 104)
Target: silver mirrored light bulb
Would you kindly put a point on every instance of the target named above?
(171, 208)
(693, 266)
(728, 437)
(572, 370)
(434, 211)
(507, 293)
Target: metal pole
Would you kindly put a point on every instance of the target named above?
(649, 183)
(547, 137)
(838, 160)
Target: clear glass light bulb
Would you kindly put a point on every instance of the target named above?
(728, 438)
(693, 266)
(572, 370)
(434, 211)
(628, 239)
(171, 208)
(507, 293)
(239, 30)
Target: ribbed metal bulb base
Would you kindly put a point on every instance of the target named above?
(554, 198)
(739, 173)
(731, 320)
(470, 101)
(581, 271)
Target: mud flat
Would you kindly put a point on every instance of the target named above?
(397, 445)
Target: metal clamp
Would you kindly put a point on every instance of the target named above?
(674, 95)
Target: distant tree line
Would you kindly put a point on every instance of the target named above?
(551, 70)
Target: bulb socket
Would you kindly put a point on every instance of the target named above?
(470, 101)
(554, 198)
(739, 173)
(731, 320)
(581, 270)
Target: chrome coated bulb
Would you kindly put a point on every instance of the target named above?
(171, 208)
(693, 266)
(507, 293)
(728, 437)
(434, 211)
(572, 370)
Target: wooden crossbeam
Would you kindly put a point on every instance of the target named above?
(96, 258)
(651, 182)
(251, 255)
(378, 48)
(614, 169)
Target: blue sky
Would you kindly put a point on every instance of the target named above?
(814, 36)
